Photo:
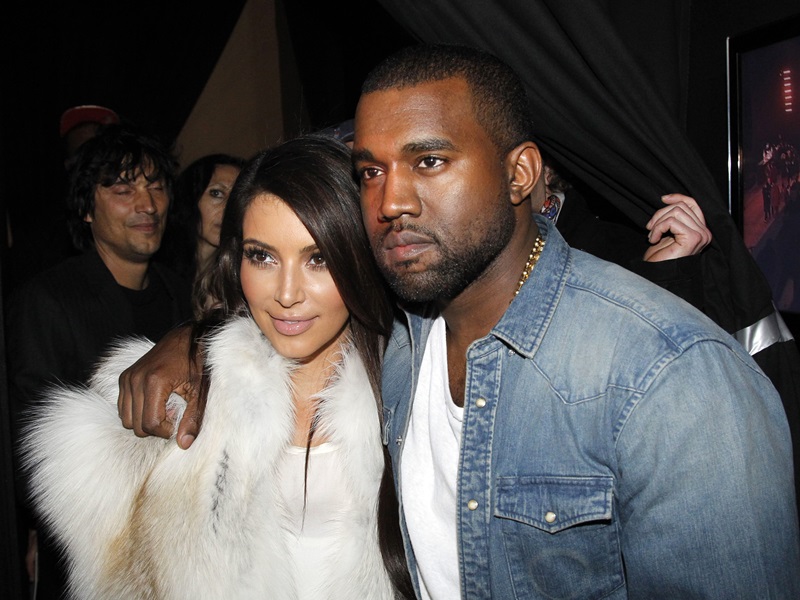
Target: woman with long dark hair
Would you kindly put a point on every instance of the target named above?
(195, 217)
(285, 492)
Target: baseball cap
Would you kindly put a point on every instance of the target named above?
(86, 113)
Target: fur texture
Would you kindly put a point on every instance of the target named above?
(141, 518)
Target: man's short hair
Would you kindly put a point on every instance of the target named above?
(117, 151)
(499, 100)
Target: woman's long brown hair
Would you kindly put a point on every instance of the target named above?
(313, 175)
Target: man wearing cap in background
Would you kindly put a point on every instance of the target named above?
(42, 217)
(81, 123)
(61, 320)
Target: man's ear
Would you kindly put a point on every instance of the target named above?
(524, 168)
(87, 218)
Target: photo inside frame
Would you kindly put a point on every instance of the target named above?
(764, 145)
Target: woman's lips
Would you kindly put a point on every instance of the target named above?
(291, 326)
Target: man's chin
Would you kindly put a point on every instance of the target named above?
(143, 255)
(417, 288)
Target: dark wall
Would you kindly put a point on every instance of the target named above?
(335, 45)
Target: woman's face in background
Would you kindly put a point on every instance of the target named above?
(212, 202)
(287, 285)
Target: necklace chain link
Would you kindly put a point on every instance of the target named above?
(533, 258)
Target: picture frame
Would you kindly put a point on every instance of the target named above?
(764, 151)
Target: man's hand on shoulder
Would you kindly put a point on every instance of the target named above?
(677, 230)
(145, 386)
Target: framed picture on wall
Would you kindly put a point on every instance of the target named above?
(764, 151)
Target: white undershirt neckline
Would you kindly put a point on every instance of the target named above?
(429, 472)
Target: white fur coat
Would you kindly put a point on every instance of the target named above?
(142, 519)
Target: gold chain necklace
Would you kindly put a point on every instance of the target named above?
(533, 258)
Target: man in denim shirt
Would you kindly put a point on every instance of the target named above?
(569, 430)
(559, 427)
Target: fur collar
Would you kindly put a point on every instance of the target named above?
(141, 518)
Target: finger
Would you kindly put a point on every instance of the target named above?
(682, 232)
(686, 201)
(150, 403)
(190, 424)
(676, 222)
(688, 237)
(124, 401)
(678, 213)
(663, 250)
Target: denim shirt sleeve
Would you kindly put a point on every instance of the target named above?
(618, 444)
(704, 496)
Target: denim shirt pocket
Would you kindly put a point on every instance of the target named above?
(559, 536)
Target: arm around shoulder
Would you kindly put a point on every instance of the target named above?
(146, 385)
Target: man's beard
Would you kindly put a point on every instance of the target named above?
(460, 263)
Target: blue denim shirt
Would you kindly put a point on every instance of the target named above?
(616, 442)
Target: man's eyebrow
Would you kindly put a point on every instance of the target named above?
(428, 145)
(362, 154)
(415, 147)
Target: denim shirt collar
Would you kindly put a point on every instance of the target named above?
(524, 324)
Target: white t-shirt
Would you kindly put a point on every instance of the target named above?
(309, 537)
(429, 471)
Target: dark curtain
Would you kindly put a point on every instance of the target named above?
(606, 81)
(334, 53)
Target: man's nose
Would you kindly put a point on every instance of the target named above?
(145, 202)
(399, 197)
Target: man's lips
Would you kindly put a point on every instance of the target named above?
(146, 226)
(404, 245)
(294, 326)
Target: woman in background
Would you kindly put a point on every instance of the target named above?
(193, 228)
(283, 493)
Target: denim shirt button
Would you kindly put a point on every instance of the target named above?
(550, 516)
(480, 402)
(472, 504)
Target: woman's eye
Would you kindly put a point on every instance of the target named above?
(317, 261)
(217, 194)
(258, 256)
